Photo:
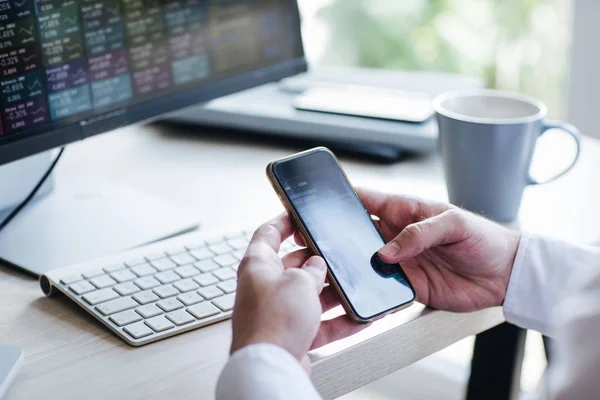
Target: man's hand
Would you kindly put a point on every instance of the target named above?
(455, 260)
(277, 300)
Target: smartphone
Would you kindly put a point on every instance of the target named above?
(335, 224)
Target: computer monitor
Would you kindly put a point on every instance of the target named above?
(76, 68)
(72, 69)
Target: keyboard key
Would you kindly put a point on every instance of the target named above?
(159, 255)
(146, 282)
(225, 303)
(135, 261)
(225, 260)
(102, 281)
(166, 291)
(186, 285)
(210, 292)
(149, 311)
(202, 253)
(203, 310)
(183, 259)
(225, 274)
(127, 288)
(100, 296)
(169, 304)
(92, 274)
(220, 248)
(173, 251)
(159, 324)
(228, 286)
(143, 270)
(187, 271)
(164, 264)
(239, 254)
(194, 246)
(115, 306)
(145, 297)
(123, 275)
(138, 330)
(206, 279)
(238, 243)
(125, 318)
(180, 317)
(113, 268)
(67, 280)
(82, 287)
(206, 265)
(167, 277)
(190, 298)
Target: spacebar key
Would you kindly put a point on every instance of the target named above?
(118, 305)
(100, 296)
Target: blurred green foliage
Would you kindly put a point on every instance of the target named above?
(518, 45)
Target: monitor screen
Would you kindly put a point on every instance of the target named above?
(74, 68)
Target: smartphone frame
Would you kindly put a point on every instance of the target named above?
(308, 240)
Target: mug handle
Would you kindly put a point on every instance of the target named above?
(571, 130)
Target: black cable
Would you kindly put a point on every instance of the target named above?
(30, 196)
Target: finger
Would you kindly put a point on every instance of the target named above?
(336, 329)
(295, 259)
(273, 233)
(449, 227)
(299, 239)
(261, 255)
(393, 209)
(328, 299)
(374, 201)
(317, 269)
(384, 205)
(400, 210)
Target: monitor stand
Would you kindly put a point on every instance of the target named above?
(73, 222)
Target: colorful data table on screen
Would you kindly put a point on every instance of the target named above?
(78, 58)
(22, 93)
(108, 61)
(64, 58)
(186, 26)
(148, 51)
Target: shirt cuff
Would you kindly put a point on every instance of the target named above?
(543, 275)
(266, 372)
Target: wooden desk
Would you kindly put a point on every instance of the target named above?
(70, 355)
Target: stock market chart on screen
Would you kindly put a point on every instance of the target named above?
(64, 60)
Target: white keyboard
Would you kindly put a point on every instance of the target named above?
(170, 287)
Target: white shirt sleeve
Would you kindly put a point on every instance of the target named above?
(264, 372)
(574, 372)
(545, 273)
(555, 288)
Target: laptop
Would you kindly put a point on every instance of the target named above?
(307, 106)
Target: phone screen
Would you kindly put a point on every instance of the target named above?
(343, 232)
